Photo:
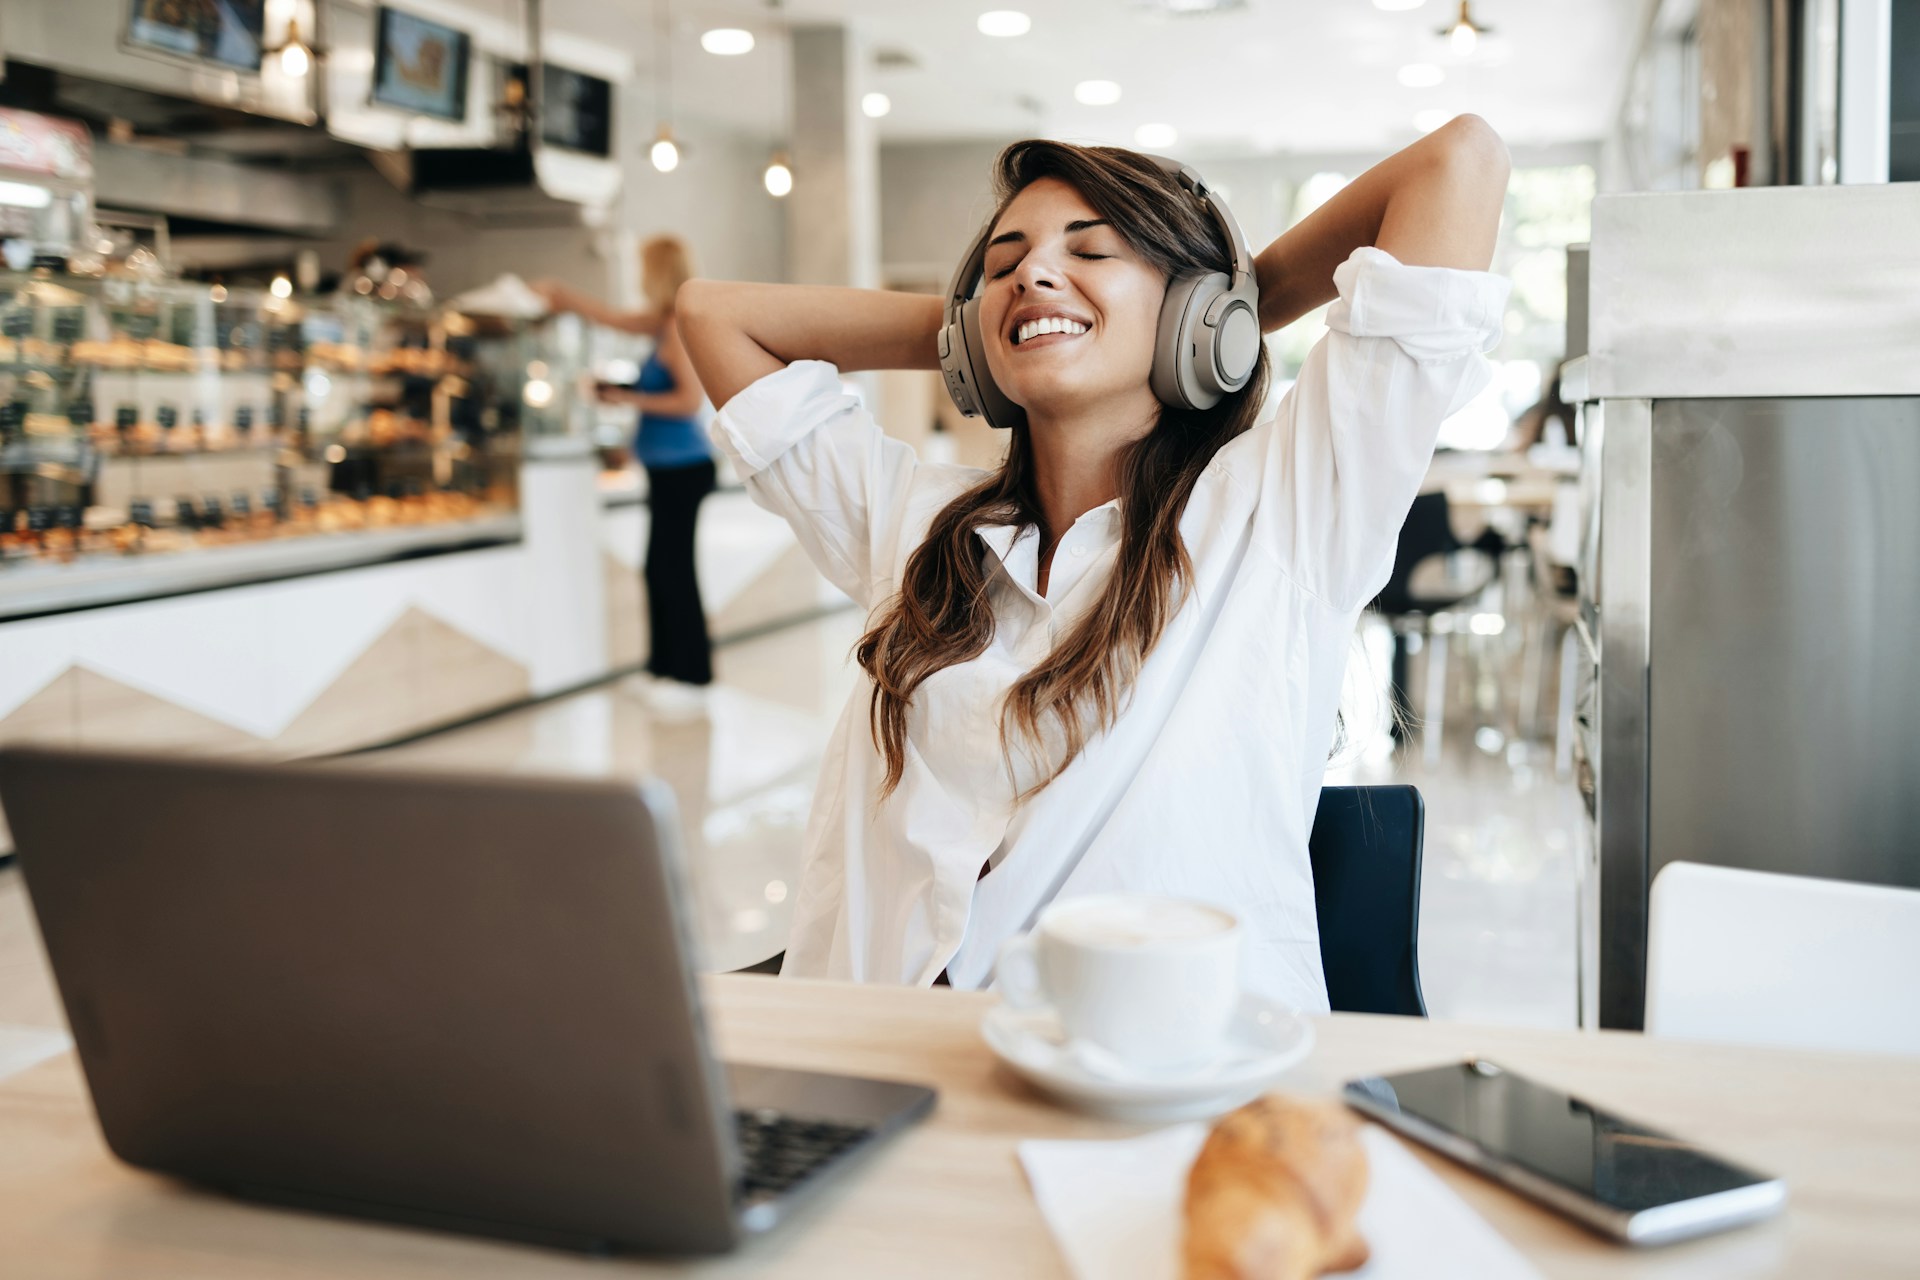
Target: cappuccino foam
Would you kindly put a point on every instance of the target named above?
(1135, 922)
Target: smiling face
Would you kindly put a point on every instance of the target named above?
(1068, 310)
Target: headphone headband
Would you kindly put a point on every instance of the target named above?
(972, 263)
(1189, 178)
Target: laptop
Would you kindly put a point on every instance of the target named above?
(458, 1001)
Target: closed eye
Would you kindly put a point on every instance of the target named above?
(1008, 269)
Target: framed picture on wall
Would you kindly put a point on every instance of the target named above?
(226, 33)
(420, 66)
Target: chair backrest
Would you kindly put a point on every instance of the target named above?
(1427, 531)
(1365, 850)
(1765, 959)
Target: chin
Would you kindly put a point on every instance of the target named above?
(1053, 393)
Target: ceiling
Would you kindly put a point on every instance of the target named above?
(1268, 76)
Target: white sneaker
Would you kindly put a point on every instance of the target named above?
(676, 700)
(638, 685)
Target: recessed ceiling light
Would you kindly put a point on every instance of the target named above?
(1421, 75)
(1428, 121)
(1398, 6)
(1004, 22)
(1153, 137)
(876, 104)
(728, 42)
(1096, 93)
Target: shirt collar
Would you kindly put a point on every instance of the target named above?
(1003, 538)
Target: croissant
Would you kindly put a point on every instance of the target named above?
(1274, 1193)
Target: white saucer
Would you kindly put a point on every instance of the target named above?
(1265, 1039)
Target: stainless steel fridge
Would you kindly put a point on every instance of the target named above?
(1748, 666)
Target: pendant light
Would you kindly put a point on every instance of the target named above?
(1464, 33)
(779, 175)
(665, 152)
(293, 57)
(778, 179)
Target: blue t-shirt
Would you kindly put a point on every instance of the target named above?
(663, 443)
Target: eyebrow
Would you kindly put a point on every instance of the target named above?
(1009, 237)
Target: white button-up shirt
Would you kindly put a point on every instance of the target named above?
(1206, 784)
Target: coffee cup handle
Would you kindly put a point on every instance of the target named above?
(1016, 973)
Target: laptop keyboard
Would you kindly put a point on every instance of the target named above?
(778, 1151)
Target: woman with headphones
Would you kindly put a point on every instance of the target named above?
(1114, 663)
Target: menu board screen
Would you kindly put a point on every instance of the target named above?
(576, 111)
(226, 32)
(420, 66)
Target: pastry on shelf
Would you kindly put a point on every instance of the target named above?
(1274, 1193)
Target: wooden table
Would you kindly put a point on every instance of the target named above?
(948, 1199)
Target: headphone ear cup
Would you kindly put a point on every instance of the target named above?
(953, 368)
(1183, 346)
(992, 402)
(1232, 324)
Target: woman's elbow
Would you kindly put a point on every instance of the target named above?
(1472, 149)
(699, 301)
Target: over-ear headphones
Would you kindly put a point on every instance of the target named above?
(1207, 345)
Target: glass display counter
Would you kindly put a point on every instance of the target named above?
(159, 436)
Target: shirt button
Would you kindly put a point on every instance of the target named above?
(1079, 551)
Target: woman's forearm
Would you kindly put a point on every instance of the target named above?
(563, 298)
(1436, 204)
(738, 332)
(661, 404)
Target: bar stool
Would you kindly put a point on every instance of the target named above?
(1433, 575)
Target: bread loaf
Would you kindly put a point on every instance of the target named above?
(1274, 1193)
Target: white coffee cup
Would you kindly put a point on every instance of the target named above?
(1152, 980)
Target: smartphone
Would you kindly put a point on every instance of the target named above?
(1623, 1179)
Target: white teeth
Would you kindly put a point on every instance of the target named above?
(1045, 325)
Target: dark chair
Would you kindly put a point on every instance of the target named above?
(1432, 574)
(1365, 850)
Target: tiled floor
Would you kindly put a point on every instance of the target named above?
(1498, 910)
(743, 772)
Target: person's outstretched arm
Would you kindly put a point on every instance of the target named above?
(681, 402)
(645, 321)
(1435, 204)
(739, 332)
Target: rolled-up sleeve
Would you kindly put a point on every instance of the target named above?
(1351, 441)
(813, 455)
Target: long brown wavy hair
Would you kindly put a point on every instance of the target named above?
(941, 615)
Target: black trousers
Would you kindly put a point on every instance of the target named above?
(676, 623)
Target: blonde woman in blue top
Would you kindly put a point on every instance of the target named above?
(672, 446)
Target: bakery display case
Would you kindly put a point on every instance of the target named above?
(159, 435)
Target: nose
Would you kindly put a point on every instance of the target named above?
(1036, 271)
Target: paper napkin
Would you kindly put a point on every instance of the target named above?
(1115, 1210)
